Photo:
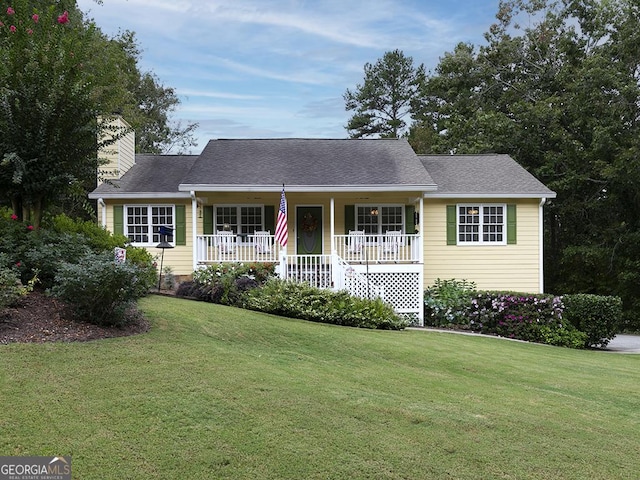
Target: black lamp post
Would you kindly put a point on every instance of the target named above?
(164, 233)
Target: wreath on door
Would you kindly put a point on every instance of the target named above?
(309, 223)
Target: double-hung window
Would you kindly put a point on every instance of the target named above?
(379, 219)
(482, 224)
(142, 223)
(242, 220)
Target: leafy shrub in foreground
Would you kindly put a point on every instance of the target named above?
(300, 300)
(596, 315)
(226, 284)
(530, 317)
(98, 238)
(99, 290)
(447, 302)
(11, 288)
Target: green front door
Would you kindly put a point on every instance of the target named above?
(308, 230)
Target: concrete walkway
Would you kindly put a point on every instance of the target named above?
(619, 344)
(624, 344)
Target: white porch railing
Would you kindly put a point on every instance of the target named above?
(345, 277)
(391, 247)
(316, 270)
(221, 248)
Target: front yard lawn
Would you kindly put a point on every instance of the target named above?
(218, 392)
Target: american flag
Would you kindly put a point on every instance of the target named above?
(281, 225)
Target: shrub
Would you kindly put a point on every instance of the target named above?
(516, 315)
(11, 288)
(99, 290)
(447, 302)
(46, 250)
(144, 260)
(598, 316)
(300, 300)
(98, 238)
(226, 283)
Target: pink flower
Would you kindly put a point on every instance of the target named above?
(64, 18)
(10, 11)
(30, 32)
(14, 216)
(12, 28)
(18, 264)
(1, 24)
(30, 227)
(35, 18)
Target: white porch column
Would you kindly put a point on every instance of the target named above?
(541, 244)
(332, 220)
(194, 229)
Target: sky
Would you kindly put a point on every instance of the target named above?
(280, 68)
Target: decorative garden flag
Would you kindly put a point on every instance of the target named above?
(281, 225)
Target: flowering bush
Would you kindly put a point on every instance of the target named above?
(300, 300)
(447, 302)
(530, 317)
(226, 283)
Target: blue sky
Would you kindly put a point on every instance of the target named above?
(279, 68)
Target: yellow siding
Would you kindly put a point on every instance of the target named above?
(120, 156)
(179, 258)
(508, 267)
(295, 199)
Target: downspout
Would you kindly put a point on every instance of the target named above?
(194, 229)
(103, 212)
(541, 244)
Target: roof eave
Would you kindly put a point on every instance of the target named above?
(489, 195)
(138, 195)
(305, 188)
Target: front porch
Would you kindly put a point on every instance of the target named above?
(388, 266)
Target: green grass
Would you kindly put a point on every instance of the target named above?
(215, 392)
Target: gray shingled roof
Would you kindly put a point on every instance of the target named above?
(151, 174)
(307, 163)
(488, 175)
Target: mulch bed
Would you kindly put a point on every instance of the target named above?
(37, 318)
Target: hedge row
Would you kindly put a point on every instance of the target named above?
(576, 321)
(255, 287)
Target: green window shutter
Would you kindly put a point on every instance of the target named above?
(409, 226)
(207, 220)
(118, 220)
(511, 225)
(181, 225)
(270, 218)
(451, 225)
(349, 219)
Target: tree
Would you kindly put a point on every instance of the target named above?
(140, 97)
(384, 99)
(562, 97)
(61, 81)
(48, 125)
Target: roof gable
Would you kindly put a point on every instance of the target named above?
(150, 176)
(307, 163)
(488, 175)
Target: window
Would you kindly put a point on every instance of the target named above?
(481, 224)
(376, 219)
(143, 222)
(242, 220)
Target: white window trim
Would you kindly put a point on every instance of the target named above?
(380, 206)
(480, 241)
(237, 206)
(150, 225)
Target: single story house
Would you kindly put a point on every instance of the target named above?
(370, 216)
